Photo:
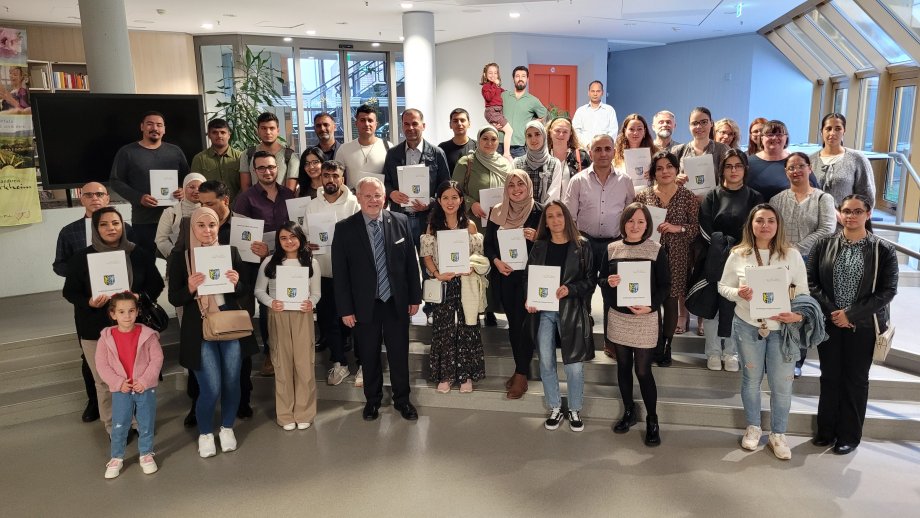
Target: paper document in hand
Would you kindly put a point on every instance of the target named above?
(108, 272)
(243, 233)
(488, 199)
(513, 247)
(454, 251)
(214, 262)
(297, 209)
(638, 161)
(701, 177)
(542, 283)
(292, 286)
(658, 215)
(770, 285)
(635, 288)
(321, 231)
(162, 184)
(414, 183)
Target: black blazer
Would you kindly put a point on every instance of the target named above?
(490, 243)
(432, 156)
(354, 272)
(78, 290)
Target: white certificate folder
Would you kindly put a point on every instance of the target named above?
(513, 247)
(542, 283)
(162, 184)
(214, 262)
(635, 283)
(245, 231)
(108, 273)
(292, 286)
(321, 231)
(413, 182)
(701, 177)
(454, 251)
(771, 290)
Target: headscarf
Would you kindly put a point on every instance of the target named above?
(187, 206)
(205, 302)
(513, 214)
(495, 163)
(123, 244)
(536, 159)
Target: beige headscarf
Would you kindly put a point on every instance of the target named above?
(513, 214)
(495, 163)
(207, 303)
(123, 244)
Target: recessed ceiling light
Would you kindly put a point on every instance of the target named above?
(514, 15)
(207, 26)
(402, 38)
(311, 32)
(406, 5)
(288, 38)
(375, 44)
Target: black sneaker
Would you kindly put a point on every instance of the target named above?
(575, 422)
(555, 417)
(490, 320)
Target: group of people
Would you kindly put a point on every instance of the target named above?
(578, 209)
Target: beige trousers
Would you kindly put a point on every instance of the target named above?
(293, 355)
(103, 394)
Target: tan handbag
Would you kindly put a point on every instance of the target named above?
(221, 326)
(884, 340)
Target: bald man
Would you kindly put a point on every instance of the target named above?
(73, 238)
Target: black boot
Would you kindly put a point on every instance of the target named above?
(652, 436)
(659, 349)
(665, 360)
(91, 413)
(191, 420)
(628, 419)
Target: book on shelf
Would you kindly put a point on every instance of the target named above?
(70, 81)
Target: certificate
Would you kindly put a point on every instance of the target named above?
(108, 273)
(213, 262)
(292, 286)
(771, 290)
(637, 162)
(635, 288)
(297, 209)
(542, 283)
(243, 233)
(700, 173)
(488, 199)
(658, 215)
(321, 231)
(162, 184)
(413, 182)
(454, 251)
(513, 247)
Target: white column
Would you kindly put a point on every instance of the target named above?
(418, 53)
(105, 42)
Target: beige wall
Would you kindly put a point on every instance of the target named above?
(164, 62)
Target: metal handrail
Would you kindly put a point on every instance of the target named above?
(903, 227)
(900, 248)
(902, 185)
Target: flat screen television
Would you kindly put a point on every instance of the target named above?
(78, 134)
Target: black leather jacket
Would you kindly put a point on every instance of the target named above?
(868, 302)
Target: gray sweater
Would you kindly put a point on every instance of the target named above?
(807, 222)
(130, 176)
(848, 175)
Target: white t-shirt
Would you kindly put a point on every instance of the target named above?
(589, 122)
(359, 160)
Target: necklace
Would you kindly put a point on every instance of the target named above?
(367, 154)
(763, 331)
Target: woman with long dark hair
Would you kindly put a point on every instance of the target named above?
(703, 143)
(310, 181)
(841, 171)
(634, 133)
(291, 331)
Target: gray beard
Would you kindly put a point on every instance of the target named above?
(663, 134)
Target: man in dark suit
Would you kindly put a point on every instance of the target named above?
(376, 278)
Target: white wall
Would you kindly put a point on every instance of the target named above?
(781, 92)
(460, 62)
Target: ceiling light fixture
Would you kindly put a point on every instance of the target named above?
(402, 38)
(207, 26)
(514, 15)
(406, 5)
(288, 38)
(375, 44)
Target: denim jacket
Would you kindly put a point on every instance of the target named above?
(806, 334)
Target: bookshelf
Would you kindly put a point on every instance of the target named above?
(54, 76)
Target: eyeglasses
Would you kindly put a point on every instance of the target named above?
(774, 136)
(697, 124)
(726, 132)
(796, 167)
(89, 195)
(733, 167)
(853, 212)
(263, 168)
(312, 163)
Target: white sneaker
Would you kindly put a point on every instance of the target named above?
(113, 468)
(227, 439)
(731, 362)
(206, 446)
(777, 443)
(714, 363)
(751, 438)
(304, 426)
(555, 417)
(148, 464)
(288, 427)
(359, 378)
(337, 374)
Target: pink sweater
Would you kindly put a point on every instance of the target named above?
(146, 366)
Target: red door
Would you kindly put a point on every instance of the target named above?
(555, 85)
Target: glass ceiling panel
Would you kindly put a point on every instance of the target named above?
(870, 30)
(845, 46)
(815, 50)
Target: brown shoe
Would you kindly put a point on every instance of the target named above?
(518, 387)
(508, 382)
(267, 368)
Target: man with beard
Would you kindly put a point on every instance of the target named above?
(520, 108)
(130, 176)
(286, 160)
(460, 144)
(596, 117)
(663, 125)
(336, 199)
(220, 161)
(324, 127)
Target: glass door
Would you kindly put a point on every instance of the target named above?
(366, 77)
(902, 116)
(321, 84)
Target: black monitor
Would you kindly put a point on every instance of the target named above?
(78, 133)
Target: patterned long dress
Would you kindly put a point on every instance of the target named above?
(456, 349)
(683, 209)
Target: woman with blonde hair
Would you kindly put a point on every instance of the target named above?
(564, 145)
(727, 132)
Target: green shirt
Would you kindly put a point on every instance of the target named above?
(224, 168)
(519, 112)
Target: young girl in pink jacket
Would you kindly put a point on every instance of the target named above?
(129, 358)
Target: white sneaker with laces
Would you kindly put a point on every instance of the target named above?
(731, 362)
(575, 422)
(148, 465)
(206, 447)
(359, 378)
(555, 417)
(227, 439)
(304, 426)
(751, 438)
(337, 374)
(288, 427)
(777, 443)
(113, 468)
(714, 363)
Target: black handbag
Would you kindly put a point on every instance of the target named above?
(151, 314)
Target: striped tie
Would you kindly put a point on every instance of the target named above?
(380, 260)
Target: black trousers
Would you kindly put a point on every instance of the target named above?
(845, 360)
(192, 389)
(391, 325)
(331, 327)
(513, 293)
(599, 249)
(145, 236)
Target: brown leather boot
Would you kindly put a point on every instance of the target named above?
(267, 368)
(508, 382)
(518, 387)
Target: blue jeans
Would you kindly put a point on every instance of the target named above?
(715, 343)
(574, 372)
(218, 375)
(124, 408)
(757, 354)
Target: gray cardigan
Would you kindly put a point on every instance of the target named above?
(807, 222)
(852, 173)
